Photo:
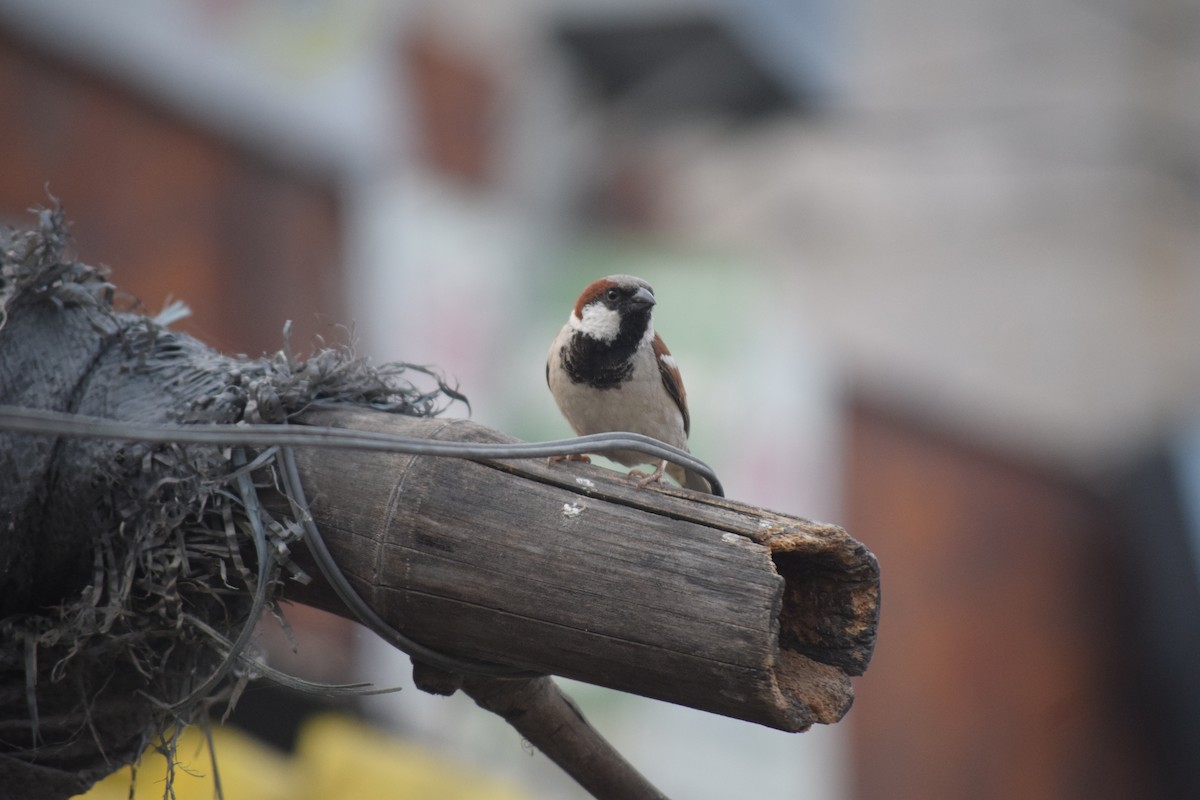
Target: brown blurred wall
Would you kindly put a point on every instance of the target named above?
(1001, 669)
(175, 210)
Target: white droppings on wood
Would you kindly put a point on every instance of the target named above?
(572, 510)
(586, 483)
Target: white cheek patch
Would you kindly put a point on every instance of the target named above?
(598, 322)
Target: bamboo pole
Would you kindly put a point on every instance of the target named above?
(573, 570)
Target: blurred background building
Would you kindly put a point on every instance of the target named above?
(931, 269)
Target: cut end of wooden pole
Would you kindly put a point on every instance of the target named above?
(828, 617)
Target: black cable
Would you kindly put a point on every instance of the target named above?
(56, 423)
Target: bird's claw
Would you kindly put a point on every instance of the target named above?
(571, 457)
(644, 480)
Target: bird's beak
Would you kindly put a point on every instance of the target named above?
(642, 298)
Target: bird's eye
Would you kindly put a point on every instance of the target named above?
(612, 294)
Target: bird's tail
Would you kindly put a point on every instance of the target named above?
(689, 479)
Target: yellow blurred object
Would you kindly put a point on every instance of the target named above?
(342, 758)
(337, 758)
(249, 771)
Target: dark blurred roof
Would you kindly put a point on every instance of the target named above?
(703, 62)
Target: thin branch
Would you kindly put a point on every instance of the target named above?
(551, 722)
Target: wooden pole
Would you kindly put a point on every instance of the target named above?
(573, 570)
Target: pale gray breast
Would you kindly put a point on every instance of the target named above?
(640, 405)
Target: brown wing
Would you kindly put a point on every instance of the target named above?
(669, 373)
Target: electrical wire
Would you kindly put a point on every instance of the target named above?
(57, 423)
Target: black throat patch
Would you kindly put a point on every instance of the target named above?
(605, 365)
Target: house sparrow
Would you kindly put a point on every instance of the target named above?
(609, 371)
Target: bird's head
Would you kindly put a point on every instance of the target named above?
(616, 308)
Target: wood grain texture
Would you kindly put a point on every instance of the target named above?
(573, 570)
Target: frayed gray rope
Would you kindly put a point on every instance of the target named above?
(259, 598)
(283, 679)
(55, 423)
